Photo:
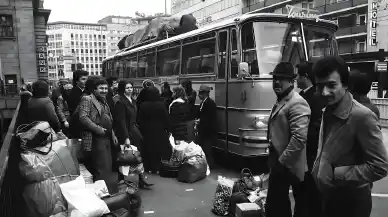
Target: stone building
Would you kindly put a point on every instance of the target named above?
(23, 41)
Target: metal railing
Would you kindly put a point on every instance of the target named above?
(10, 186)
(9, 90)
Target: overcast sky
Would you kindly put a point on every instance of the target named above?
(90, 11)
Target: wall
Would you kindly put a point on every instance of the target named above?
(18, 53)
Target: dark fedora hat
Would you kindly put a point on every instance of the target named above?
(284, 70)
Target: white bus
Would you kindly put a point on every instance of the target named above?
(235, 58)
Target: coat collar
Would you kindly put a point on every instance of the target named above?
(126, 101)
(343, 108)
(96, 103)
(281, 103)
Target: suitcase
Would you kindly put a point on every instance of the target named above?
(248, 210)
(118, 213)
(169, 169)
(123, 200)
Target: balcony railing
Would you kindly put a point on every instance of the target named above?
(327, 8)
(10, 182)
(351, 30)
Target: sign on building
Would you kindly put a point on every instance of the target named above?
(373, 24)
(42, 59)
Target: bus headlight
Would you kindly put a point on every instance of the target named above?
(261, 122)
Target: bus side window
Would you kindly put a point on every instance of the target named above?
(222, 46)
(234, 55)
(133, 66)
(199, 57)
(168, 62)
(142, 67)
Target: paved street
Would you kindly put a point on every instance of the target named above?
(170, 198)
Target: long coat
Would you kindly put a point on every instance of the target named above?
(154, 125)
(126, 127)
(287, 133)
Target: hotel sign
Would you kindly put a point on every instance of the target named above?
(42, 59)
(373, 25)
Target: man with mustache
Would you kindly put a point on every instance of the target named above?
(351, 155)
(287, 135)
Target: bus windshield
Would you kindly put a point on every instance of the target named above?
(265, 44)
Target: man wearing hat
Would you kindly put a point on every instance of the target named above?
(287, 135)
(207, 128)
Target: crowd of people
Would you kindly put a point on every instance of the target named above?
(325, 141)
(106, 114)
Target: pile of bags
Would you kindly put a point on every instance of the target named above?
(247, 189)
(188, 162)
(54, 184)
(156, 29)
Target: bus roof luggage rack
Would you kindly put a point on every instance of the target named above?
(158, 29)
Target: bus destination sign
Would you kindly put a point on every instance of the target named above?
(302, 13)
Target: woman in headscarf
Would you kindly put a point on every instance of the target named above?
(179, 111)
(154, 126)
(126, 128)
(40, 106)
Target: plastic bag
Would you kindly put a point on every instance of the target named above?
(58, 163)
(193, 169)
(43, 198)
(84, 200)
(222, 196)
(99, 188)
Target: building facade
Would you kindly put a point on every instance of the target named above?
(209, 11)
(23, 41)
(70, 43)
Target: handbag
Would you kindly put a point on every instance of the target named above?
(128, 157)
(246, 182)
(31, 138)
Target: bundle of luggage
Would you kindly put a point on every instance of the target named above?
(188, 162)
(244, 197)
(157, 28)
(55, 183)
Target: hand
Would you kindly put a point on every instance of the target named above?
(115, 140)
(66, 124)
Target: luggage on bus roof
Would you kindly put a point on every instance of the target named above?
(158, 26)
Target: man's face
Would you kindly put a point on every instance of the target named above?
(281, 84)
(82, 81)
(202, 95)
(331, 88)
(101, 91)
(115, 84)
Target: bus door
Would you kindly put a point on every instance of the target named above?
(221, 88)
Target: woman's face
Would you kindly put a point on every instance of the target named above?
(128, 90)
(101, 91)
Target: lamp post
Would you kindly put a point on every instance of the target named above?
(165, 7)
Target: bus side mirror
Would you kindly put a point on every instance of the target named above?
(244, 70)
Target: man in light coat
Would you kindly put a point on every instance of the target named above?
(287, 135)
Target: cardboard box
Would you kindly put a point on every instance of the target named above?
(248, 210)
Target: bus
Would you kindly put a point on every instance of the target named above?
(235, 58)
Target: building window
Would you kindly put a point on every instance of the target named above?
(362, 19)
(6, 26)
(361, 46)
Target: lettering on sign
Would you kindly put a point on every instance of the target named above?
(42, 62)
(373, 25)
(302, 13)
(41, 49)
(42, 69)
(42, 56)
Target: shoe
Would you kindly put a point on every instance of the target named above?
(143, 183)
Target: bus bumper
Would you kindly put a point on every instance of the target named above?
(251, 143)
